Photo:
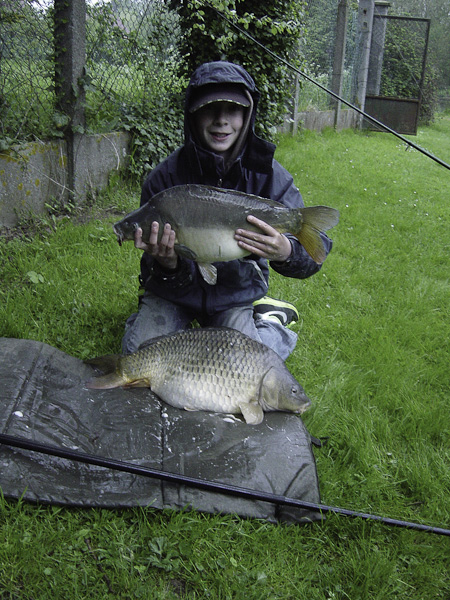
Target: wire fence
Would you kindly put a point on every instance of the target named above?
(26, 70)
(402, 44)
(318, 53)
(132, 57)
(131, 60)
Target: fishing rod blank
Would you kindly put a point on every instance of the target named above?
(203, 484)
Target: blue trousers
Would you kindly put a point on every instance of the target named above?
(157, 316)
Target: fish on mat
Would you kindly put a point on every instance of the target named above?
(213, 369)
(205, 219)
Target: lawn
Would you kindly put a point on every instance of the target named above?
(372, 354)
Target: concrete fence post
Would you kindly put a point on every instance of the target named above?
(339, 57)
(377, 48)
(70, 57)
(364, 38)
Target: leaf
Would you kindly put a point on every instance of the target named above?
(34, 277)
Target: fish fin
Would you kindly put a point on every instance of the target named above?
(208, 272)
(106, 382)
(320, 217)
(252, 413)
(105, 364)
(185, 252)
(316, 219)
(138, 383)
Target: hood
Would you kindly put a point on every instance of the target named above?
(255, 153)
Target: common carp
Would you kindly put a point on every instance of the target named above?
(205, 219)
(212, 369)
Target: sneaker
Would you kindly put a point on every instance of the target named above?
(272, 309)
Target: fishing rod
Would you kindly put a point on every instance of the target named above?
(325, 89)
(203, 484)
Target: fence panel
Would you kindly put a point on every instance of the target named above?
(131, 59)
(318, 52)
(26, 70)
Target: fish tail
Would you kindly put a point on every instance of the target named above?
(315, 220)
(108, 365)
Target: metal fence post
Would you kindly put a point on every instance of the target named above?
(70, 56)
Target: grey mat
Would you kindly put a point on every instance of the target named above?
(43, 398)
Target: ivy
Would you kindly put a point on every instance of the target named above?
(156, 131)
(277, 24)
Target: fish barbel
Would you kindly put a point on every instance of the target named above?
(206, 218)
(212, 369)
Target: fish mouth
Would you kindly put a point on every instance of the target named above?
(303, 408)
(119, 235)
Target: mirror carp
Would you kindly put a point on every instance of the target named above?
(205, 219)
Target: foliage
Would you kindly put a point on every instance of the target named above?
(439, 46)
(156, 131)
(320, 34)
(277, 25)
(403, 58)
(429, 102)
(402, 61)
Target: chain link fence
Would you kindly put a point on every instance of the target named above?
(318, 53)
(402, 43)
(132, 58)
(26, 70)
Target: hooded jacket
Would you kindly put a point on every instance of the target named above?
(253, 170)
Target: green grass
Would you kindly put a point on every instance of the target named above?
(372, 353)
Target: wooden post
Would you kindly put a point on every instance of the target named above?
(295, 116)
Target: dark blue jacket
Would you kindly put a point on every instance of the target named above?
(253, 171)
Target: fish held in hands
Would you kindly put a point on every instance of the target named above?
(206, 218)
(212, 369)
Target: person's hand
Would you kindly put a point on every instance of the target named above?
(162, 251)
(268, 244)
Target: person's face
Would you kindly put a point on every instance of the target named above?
(218, 125)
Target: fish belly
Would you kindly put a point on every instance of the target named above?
(207, 392)
(210, 244)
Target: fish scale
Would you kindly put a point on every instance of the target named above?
(201, 371)
(216, 369)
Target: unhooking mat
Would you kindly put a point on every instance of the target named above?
(43, 398)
